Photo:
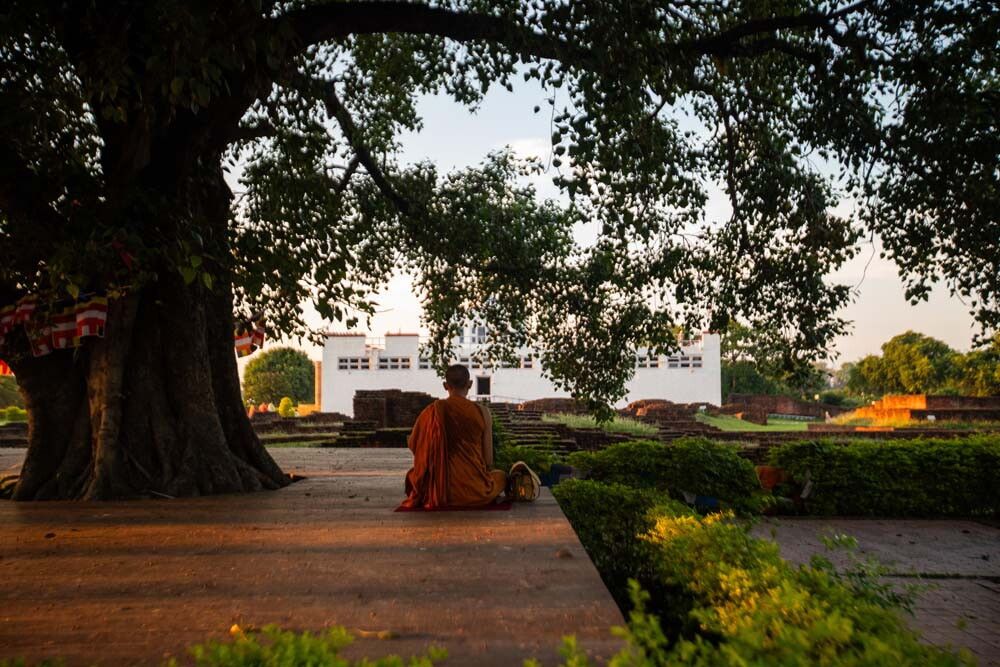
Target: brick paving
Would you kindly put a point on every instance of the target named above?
(959, 561)
(125, 583)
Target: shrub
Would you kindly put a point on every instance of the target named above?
(277, 372)
(747, 606)
(536, 459)
(286, 408)
(922, 477)
(695, 465)
(12, 413)
(9, 393)
(608, 518)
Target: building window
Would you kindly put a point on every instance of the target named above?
(673, 362)
(483, 386)
(696, 361)
(527, 362)
(393, 363)
(651, 361)
(425, 363)
(353, 364)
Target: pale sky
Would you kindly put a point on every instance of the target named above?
(453, 138)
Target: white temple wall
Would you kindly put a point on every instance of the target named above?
(344, 373)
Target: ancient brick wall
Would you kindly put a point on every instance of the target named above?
(390, 408)
(782, 405)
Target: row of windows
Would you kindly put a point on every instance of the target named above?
(404, 363)
(684, 361)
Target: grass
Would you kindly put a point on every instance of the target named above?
(944, 424)
(728, 423)
(617, 425)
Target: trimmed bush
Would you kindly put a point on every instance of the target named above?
(608, 519)
(286, 408)
(12, 413)
(924, 477)
(696, 465)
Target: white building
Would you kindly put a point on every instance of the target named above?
(352, 362)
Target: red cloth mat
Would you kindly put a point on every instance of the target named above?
(492, 507)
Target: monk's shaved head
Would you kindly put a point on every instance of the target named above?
(457, 376)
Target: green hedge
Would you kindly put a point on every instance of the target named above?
(607, 518)
(924, 477)
(13, 413)
(732, 599)
(696, 465)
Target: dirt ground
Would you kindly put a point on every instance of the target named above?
(129, 583)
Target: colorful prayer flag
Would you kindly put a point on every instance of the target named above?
(91, 316)
(64, 329)
(25, 310)
(244, 343)
(6, 319)
(257, 337)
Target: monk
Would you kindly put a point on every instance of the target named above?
(452, 445)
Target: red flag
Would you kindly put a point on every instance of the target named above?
(244, 343)
(26, 307)
(7, 319)
(257, 337)
(91, 317)
(64, 329)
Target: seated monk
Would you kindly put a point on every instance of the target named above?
(452, 445)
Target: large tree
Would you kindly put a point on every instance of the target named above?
(119, 116)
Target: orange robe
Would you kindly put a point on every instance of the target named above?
(448, 464)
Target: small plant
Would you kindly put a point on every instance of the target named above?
(274, 647)
(286, 408)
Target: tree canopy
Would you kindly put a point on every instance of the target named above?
(281, 372)
(117, 115)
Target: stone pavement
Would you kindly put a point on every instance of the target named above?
(958, 560)
(126, 583)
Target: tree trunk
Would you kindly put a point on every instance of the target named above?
(154, 408)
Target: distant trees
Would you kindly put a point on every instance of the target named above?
(9, 395)
(754, 362)
(912, 363)
(279, 373)
(760, 361)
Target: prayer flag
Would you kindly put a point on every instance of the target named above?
(91, 316)
(6, 319)
(257, 337)
(64, 329)
(25, 310)
(244, 343)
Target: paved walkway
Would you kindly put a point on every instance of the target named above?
(959, 560)
(126, 583)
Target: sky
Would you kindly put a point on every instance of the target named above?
(452, 138)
